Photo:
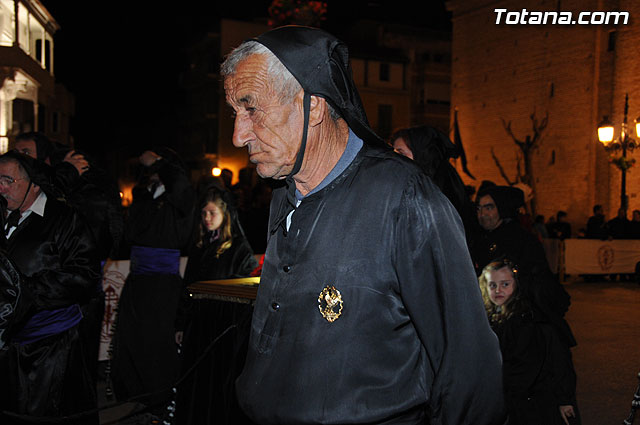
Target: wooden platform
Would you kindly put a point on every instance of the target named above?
(241, 290)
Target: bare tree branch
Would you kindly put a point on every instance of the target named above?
(502, 173)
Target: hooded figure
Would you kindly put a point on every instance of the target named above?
(368, 309)
(508, 200)
(431, 150)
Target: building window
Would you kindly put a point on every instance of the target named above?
(55, 122)
(46, 59)
(23, 116)
(42, 118)
(385, 116)
(611, 44)
(384, 72)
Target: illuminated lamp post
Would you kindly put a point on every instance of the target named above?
(623, 143)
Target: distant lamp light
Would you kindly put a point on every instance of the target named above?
(637, 121)
(121, 195)
(215, 171)
(605, 131)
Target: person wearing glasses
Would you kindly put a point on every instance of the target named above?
(44, 369)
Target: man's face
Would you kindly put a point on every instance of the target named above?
(27, 147)
(488, 215)
(272, 132)
(14, 186)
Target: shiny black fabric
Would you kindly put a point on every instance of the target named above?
(320, 63)
(14, 300)
(56, 255)
(412, 335)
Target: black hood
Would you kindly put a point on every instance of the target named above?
(508, 199)
(320, 63)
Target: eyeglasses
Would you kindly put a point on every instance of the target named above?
(6, 181)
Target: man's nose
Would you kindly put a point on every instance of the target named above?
(242, 131)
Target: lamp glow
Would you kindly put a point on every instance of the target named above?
(215, 171)
(605, 131)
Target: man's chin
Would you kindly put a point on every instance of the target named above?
(269, 173)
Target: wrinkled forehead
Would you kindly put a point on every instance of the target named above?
(250, 78)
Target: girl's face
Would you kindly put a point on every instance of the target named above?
(500, 285)
(212, 216)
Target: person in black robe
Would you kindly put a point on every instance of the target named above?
(221, 251)
(619, 225)
(54, 251)
(538, 373)
(145, 360)
(431, 150)
(88, 189)
(368, 309)
(596, 225)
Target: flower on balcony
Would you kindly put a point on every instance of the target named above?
(297, 12)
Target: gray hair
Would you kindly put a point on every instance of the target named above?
(284, 82)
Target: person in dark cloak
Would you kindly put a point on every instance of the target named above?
(501, 235)
(221, 251)
(539, 377)
(368, 309)
(54, 251)
(431, 150)
(158, 229)
(596, 225)
(88, 189)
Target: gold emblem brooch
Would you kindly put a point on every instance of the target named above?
(330, 303)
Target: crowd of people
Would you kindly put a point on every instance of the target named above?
(387, 294)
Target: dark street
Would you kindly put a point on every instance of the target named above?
(604, 317)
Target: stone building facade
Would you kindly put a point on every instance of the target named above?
(574, 74)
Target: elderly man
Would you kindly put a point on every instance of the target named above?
(53, 249)
(368, 309)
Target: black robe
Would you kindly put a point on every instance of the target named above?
(57, 256)
(538, 371)
(412, 338)
(145, 358)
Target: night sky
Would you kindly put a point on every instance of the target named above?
(123, 63)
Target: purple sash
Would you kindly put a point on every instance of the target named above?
(48, 322)
(146, 260)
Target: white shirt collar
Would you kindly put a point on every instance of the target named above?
(38, 205)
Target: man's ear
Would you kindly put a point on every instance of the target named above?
(317, 109)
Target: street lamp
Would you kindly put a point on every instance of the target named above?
(623, 143)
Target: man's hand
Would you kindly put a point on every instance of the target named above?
(567, 412)
(148, 158)
(77, 160)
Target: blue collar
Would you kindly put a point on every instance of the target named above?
(354, 144)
